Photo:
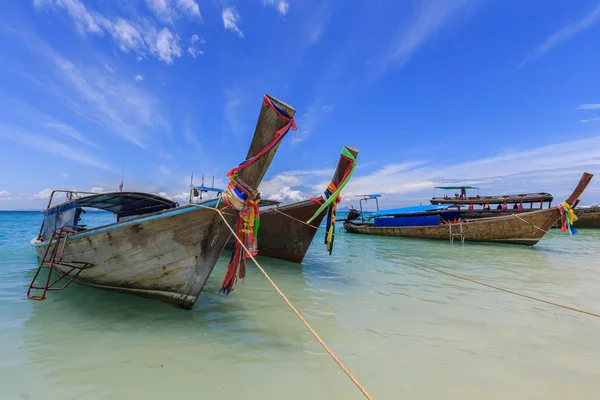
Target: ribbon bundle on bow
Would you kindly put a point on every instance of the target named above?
(567, 217)
(332, 198)
(244, 199)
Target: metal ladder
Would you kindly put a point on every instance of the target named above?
(459, 233)
(52, 257)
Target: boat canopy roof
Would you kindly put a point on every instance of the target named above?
(123, 203)
(208, 189)
(455, 187)
(411, 210)
(369, 196)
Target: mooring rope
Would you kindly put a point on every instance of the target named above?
(552, 234)
(289, 303)
(464, 278)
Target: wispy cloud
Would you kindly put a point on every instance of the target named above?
(315, 113)
(70, 132)
(57, 148)
(230, 20)
(118, 105)
(432, 16)
(234, 99)
(169, 10)
(589, 120)
(317, 23)
(412, 182)
(194, 48)
(282, 6)
(4, 193)
(589, 107)
(139, 78)
(144, 37)
(564, 34)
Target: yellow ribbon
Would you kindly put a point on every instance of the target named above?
(570, 213)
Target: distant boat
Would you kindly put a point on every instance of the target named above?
(155, 249)
(288, 239)
(446, 222)
(588, 216)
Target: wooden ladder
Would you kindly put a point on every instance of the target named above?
(52, 257)
(459, 233)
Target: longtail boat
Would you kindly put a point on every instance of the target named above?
(285, 237)
(495, 206)
(156, 249)
(445, 222)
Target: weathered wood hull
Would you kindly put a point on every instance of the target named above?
(589, 218)
(282, 237)
(508, 229)
(156, 257)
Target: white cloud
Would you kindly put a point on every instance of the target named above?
(167, 46)
(97, 190)
(139, 78)
(230, 20)
(64, 174)
(589, 107)
(181, 198)
(194, 49)
(281, 5)
(4, 193)
(43, 194)
(142, 38)
(108, 68)
(169, 10)
(432, 17)
(164, 194)
(564, 34)
(190, 8)
(590, 119)
(287, 195)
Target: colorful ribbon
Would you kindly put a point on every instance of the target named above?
(332, 198)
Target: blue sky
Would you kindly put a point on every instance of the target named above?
(504, 95)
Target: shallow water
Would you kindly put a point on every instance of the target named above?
(403, 332)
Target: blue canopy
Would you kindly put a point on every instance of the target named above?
(208, 189)
(412, 210)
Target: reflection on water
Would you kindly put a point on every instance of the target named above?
(403, 331)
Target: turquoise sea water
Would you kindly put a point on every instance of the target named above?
(405, 333)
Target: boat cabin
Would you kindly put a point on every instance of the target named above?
(416, 216)
(462, 197)
(125, 205)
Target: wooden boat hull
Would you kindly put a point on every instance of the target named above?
(282, 237)
(508, 229)
(589, 218)
(281, 233)
(167, 257)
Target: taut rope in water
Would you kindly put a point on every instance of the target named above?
(464, 278)
(289, 303)
(552, 234)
